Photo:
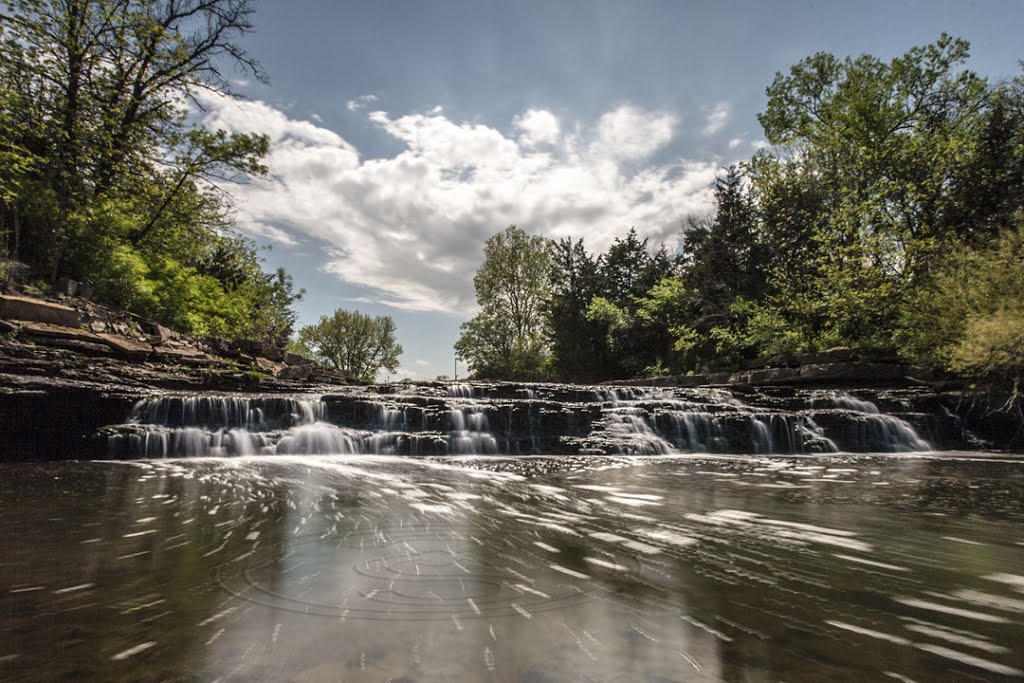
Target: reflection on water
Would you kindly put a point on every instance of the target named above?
(375, 569)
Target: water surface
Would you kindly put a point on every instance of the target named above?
(362, 568)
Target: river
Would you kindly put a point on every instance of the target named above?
(275, 566)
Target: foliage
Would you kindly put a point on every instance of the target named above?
(578, 343)
(879, 198)
(352, 342)
(102, 177)
(886, 213)
(857, 188)
(724, 256)
(969, 316)
(508, 337)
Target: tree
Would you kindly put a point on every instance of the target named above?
(579, 350)
(101, 84)
(352, 342)
(988, 189)
(628, 269)
(724, 259)
(627, 272)
(856, 191)
(508, 337)
(104, 179)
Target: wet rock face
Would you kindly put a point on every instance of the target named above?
(521, 419)
(56, 424)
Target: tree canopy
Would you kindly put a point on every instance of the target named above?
(352, 342)
(507, 338)
(106, 179)
(886, 215)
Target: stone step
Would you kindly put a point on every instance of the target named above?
(36, 310)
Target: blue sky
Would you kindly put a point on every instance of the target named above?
(404, 133)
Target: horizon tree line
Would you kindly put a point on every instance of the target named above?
(887, 215)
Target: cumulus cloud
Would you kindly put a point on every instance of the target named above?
(632, 134)
(409, 229)
(717, 117)
(538, 126)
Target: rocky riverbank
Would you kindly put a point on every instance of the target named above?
(70, 367)
(69, 341)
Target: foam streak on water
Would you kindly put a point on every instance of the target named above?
(296, 567)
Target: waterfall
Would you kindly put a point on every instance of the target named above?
(868, 426)
(470, 432)
(547, 419)
(460, 390)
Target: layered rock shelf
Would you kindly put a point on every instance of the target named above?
(118, 386)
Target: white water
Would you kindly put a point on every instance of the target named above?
(627, 421)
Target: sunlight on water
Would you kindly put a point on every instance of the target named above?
(291, 567)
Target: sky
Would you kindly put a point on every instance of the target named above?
(404, 133)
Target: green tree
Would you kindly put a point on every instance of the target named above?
(628, 269)
(858, 184)
(104, 179)
(724, 259)
(578, 346)
(101, 84)
(508, 338)
(352, 342)
(987, 190)
(969, 288)
(629, 343)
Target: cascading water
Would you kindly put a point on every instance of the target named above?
(454, 419)
(460, 390)
(654, 421)
(190, 426)
(470, 431)
(867, 425)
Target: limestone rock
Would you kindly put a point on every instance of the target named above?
(36, 310)
(158, 332)
(852, 372)
(66, 286)
(295, 359)
(55, 331)
(269, 366)
(178, 351)
(839, 354)
(126, 347)
(296, 372)
(260, 348)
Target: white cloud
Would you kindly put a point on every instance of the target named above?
(632, 134)
(717, 117)
(410, 229)
(360, 102)
(736, 142)
(538, 126)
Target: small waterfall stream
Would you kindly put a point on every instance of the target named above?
(508, 419)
